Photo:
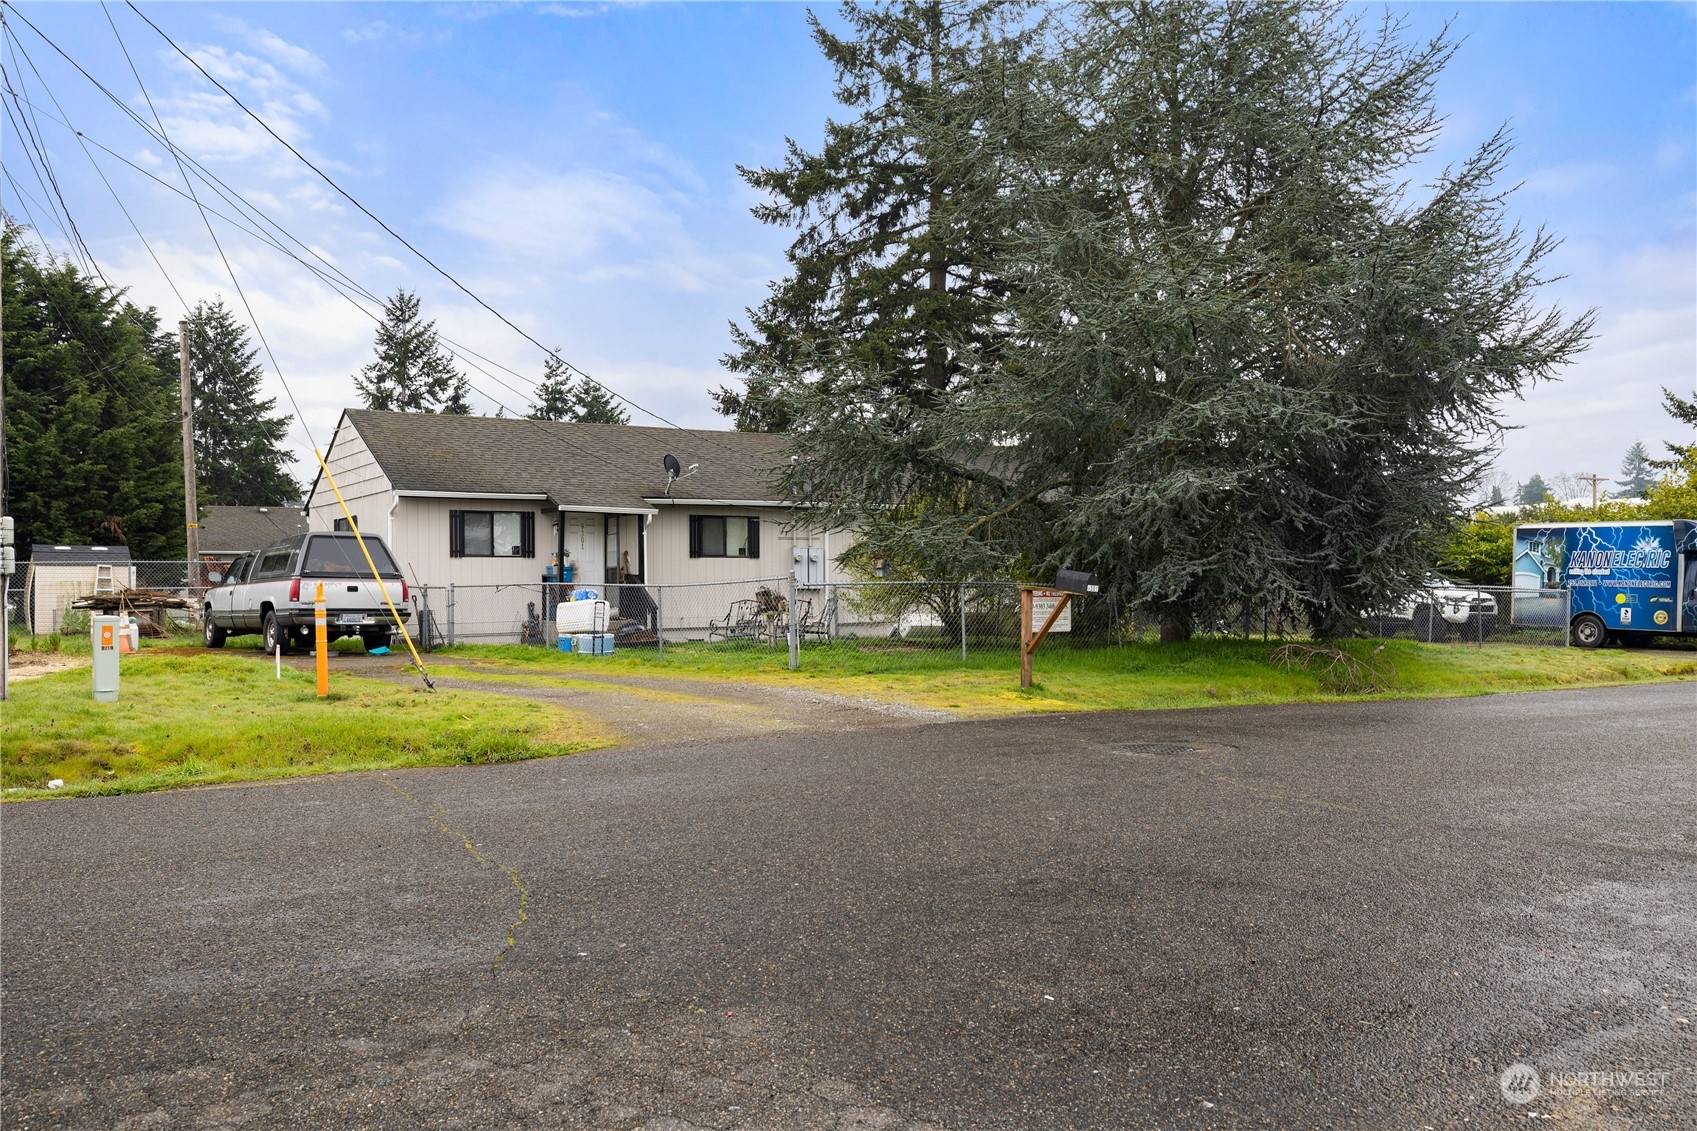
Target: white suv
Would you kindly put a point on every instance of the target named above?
(1439, 607)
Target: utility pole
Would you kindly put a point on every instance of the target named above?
(191, 503)
(1593, 480)
(8, 555)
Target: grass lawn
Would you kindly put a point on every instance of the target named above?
(190, 720)
(1136, 676)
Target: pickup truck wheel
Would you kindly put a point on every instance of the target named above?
(1589, 631)
(211, 633)
(275, 635)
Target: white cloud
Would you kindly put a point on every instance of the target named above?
(381, 31)
(600, 225)
(1646, 338)
(1565, 180)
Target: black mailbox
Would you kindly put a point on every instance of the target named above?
(1077, 581)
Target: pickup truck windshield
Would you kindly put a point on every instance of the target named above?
(332, 556)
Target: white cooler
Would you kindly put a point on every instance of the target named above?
(573, 617)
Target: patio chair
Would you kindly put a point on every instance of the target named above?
(742, 621)
(819, 625)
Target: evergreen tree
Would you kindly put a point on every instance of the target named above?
(412, 372)
(1496, 499)
(1635, 471)
(1534, 490)
(893, 260)
(238, 438)
(554, 393)
(1230, 360)
(1685, 412)
(596, 405)
(559, 398)
(93, 432)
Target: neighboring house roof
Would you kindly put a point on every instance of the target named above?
(40, 554)
(593, 466)
(237, 530)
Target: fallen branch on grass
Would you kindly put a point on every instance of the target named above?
(1338, 670)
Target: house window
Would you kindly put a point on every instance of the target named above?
(491, 534)
(716, 536)
(344, 526)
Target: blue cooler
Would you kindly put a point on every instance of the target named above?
(593, 643)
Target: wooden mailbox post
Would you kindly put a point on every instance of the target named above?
(1067, 582)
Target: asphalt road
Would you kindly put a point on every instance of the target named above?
(1314, 916)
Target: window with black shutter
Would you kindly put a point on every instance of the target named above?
(719, 536)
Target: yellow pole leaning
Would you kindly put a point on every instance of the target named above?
(321, 637)
(381, 588)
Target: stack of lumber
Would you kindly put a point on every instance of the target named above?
(146, 605)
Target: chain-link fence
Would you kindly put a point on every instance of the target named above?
(1479, 616)
(40, 596)
(779, 616)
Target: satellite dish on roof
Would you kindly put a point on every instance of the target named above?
(675, 471)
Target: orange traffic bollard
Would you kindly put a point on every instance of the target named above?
(321, 633)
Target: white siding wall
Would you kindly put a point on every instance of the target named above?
(669, 562)
(421, 543)
(362, 483)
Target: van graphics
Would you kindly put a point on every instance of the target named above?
(1608, 569)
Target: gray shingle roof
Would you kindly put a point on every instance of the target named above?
(584, 465)
(236, 530)
(41, 554)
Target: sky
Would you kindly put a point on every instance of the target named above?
(575, 165)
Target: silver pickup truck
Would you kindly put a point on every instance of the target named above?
(271, 592)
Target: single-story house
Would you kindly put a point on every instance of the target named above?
(58, 575)
(495, 501)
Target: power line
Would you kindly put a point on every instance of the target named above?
(39, 145)
(379, 222)
(185, 162)
(210, 231)
(234, 198)
(18, 48)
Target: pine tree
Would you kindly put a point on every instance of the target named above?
(1534, 490)
(412, 372)
(93, 432)
(1684, 411)
(1229, 361)
(585, 402)
(596, 405)
(238, 438)
(1635, 471)
(554, 394)
(893, 256)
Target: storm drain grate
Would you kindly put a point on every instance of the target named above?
(1158, 749)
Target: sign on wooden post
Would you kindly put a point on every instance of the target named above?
(1042, 611)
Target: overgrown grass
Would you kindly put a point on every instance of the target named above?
(189, 720)
(1202, 672)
